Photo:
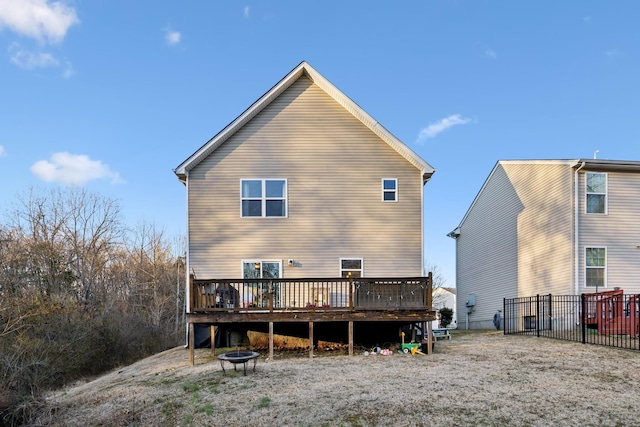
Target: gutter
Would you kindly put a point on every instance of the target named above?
(576, 233)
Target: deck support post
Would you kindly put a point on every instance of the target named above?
(429, 338)
(310, 339)
(270, 340)
(350, 337)
(192, 344)
(213, 339)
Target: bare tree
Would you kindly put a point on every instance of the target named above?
(93, 230)
(155, 267)
(76, 296)
(70, 235)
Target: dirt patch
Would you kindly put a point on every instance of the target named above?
(475, 379)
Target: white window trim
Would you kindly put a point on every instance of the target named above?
(605, 267)
(264, 197)
(351, 269)
(395, 192)
(606, 194)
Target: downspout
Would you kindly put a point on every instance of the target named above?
(576, 246)
(187, 296)
(422, 212)
(187, 263)
(424, 178)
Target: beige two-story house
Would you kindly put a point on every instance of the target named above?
(303, 184)
(563, 227)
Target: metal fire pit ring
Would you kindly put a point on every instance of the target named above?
(238, 356)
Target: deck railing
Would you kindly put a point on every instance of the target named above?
(311, 294)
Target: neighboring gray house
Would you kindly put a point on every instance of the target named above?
(548, 226)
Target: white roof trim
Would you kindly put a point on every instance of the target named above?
(304, 69)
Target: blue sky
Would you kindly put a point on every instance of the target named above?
(113, 94)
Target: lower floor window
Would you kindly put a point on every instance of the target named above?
(350, 267)
(255, 293)
(596, 267)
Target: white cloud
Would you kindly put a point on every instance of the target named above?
(486, 50)
(246, 11)
(172, 37)
(435, 128)
(2, 151)
(30, 60)
(73, 169)
(68, 71)
(38, 19)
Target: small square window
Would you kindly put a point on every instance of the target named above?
(389, 189)
(351, 267)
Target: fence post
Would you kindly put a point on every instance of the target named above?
(538, 315)
(583, 320)
(504, 320)
(550, 316)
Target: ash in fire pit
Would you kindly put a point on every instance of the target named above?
(239, 356)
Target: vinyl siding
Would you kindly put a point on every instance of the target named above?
(618, 231)
(333, 165)
(487, 251)
(545, 228)
(516, 238)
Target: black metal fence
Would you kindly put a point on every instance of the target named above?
(607, 318)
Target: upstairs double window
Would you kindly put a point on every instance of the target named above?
(596, 193)
(263, 198)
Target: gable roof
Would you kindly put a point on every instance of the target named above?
(303, 69)
(577, 164)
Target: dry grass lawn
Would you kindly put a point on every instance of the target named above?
(476, 379)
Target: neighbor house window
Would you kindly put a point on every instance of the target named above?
(263, 197)
(350, 267)
(596, 190)
(596, 267)
(389, 189)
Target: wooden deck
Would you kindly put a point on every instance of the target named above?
(348, 300)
